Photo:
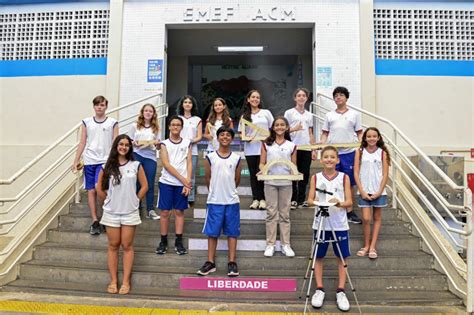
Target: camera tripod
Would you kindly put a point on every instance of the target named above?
(322, 215)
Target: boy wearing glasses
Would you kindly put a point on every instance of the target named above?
(175, 184)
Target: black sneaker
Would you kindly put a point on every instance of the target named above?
(353, 218)
(162, 248)
(232, 269)
(179, 248)
(207, 268)
(95, 228)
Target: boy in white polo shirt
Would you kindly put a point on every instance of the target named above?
(98, 134)
(343, 125)
(223, 204)
(175, 184)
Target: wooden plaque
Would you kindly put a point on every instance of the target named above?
(311, 147)
(295, 176)
(259, 133)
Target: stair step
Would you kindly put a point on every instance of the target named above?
(247, 260)
(150, 276)
(195, 226)
(300, 244)
(366, 298)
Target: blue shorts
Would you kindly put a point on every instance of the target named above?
(224, 218)
(342, 236)
(171, 197)
(380, 202)
(91, 175)
(346, 165)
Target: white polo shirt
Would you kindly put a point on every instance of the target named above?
(177, 156)
(279, 152)
(190, 130)
(342, 128)
(99, 140)
(263, 119)
(337, 216)
(294, 117)
(122, 198)
(222, 189)
(144, 134)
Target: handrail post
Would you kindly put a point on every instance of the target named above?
(394, 172)
(470, 251)
(77, 197)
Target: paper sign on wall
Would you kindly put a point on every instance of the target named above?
(155, 70)
(324, 77)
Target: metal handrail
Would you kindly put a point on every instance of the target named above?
(465, 230)
(63, 158)
(450, 182)
(61, 139)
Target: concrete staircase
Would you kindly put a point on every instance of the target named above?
(73, 262)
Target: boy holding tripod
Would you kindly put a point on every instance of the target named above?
(334, 187)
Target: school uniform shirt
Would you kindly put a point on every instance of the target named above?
(371, 170)
(214, 144)
(190, 130)
(99, 140)
(177, 156)
(337, 216)
(144, 134)
(122, 198)
(222, 189)
(279, 152)
(263, 119)
(294, 117)
(342, 128)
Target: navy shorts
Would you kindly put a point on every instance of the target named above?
(91, 175)
(224, 218)
(380, 202)
(342, 236)
(171, 197)
(346, 165)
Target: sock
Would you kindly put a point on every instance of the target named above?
(164, 238)
(340, 290)
(320, 288)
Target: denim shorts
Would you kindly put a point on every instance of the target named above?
(380, 202)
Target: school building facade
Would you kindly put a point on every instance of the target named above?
(408, 61)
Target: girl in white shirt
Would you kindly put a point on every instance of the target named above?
(118, 191)
(218, 117)
(147, 129)
(263, 118)
(192, 130)
(278, 192)
(371, 165)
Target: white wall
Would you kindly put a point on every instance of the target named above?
(337, 36)
(437, 113)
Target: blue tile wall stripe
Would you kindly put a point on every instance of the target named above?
(53, 67)
(458, 68)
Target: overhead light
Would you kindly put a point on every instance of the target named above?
(239, 48)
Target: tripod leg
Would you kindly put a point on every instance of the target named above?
(319, 238)
(310, 260)
(345, 266)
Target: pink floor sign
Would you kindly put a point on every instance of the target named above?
(237, 284)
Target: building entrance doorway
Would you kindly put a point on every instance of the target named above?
(196, 67)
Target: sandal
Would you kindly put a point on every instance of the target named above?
(373, 254)
(362, 252)
(112, 288)
(124, 289)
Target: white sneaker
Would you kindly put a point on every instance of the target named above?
(293, 205)
(287, 251)
(342, 302)
(152, 215)
(318, 299)
(255, 204)
(262, 205)
(269, 251)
